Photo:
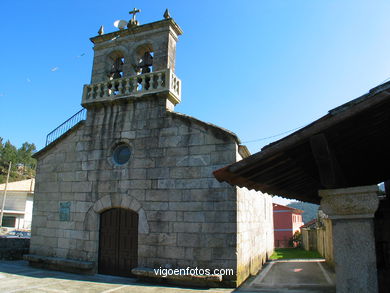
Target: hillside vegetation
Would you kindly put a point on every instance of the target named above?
(23, 165)
(310, 210)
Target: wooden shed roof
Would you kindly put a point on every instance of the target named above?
(350, 146)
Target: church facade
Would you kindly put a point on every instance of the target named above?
(131, 186)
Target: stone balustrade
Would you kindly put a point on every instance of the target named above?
(134, 86)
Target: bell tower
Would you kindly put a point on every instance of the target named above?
(133, 61)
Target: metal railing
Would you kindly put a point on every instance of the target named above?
(67, 125)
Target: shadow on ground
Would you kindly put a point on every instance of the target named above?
(291, 276)
(17, 276)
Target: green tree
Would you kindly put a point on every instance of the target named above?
(25, 153)
(23, 165)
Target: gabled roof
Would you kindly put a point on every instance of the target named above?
(59, 139)
(310, 224)
(205, 124)
(242, 149)
(220, 132)
(294, 210)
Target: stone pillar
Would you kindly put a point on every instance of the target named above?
(352, 211)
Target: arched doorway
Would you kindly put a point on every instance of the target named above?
(118, 242)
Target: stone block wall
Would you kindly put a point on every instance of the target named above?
(189, 217)
(255, 232)
(186, 217)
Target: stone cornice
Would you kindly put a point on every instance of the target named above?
(350, 203)
(166, 23)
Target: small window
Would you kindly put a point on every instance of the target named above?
(121, 154)
(9, 221)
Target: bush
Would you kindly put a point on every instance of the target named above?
(296, 240)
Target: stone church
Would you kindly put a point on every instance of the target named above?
(131, 185)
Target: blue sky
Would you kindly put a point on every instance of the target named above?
(258, 68)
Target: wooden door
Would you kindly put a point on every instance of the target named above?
(118, 242)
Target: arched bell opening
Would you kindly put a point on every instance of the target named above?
(143, 59)
(116, 61)
(144, 55)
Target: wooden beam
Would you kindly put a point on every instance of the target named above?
(331, 175)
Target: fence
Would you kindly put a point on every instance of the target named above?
(320, 239)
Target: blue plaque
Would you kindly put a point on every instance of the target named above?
(65, 211)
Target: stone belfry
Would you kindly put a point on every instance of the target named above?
(134, 61)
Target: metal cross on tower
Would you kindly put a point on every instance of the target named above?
(133, 22)
(133, 12)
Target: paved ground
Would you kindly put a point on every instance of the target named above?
(292, 276)
(17, 276)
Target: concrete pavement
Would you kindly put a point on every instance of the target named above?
(278, 276)
(17, 276)
(293, 276)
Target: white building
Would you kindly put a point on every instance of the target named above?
(18, 204)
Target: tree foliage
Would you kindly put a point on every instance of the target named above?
(23, 165)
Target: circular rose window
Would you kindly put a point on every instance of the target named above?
(121, 154)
